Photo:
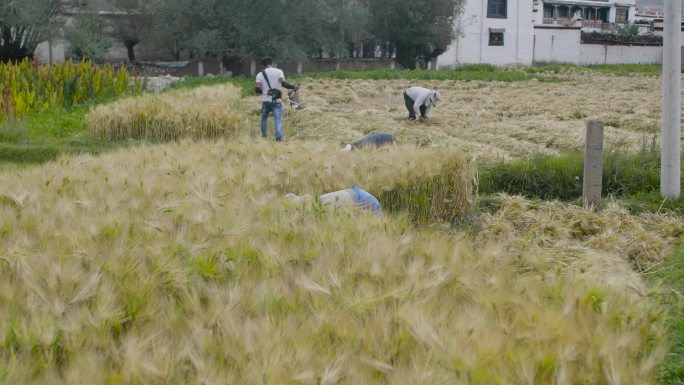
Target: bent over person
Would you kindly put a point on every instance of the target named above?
(420, 100)
(268, 84)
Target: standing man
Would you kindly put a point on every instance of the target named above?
(268, 84)
(420, 100)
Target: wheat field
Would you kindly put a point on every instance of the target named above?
(490, 119)
(184, 263)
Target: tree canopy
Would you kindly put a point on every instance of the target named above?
(412, 31)
(23, 24)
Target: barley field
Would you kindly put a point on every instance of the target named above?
(204, 112)
(184, 263)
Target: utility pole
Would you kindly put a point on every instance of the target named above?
(670, 138)
(593, 165)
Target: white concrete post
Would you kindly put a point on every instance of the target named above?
(670, 141)
(252, 68)
(593, 165)
(299, 67)
(200, 69)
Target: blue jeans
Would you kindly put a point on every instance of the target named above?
(277, 109)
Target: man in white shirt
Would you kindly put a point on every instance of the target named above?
(271, 96)
(420, 100)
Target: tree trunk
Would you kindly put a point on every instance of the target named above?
(129, 49)
(406, 57)
(12, 47)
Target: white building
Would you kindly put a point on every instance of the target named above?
(496, 32)
(503, 32)
(597, 15)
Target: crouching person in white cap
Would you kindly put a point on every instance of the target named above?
(351, 196)
(376, 140)
(419, 101)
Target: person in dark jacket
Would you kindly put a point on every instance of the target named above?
(376, 140)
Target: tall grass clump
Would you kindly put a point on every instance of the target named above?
(560, 177)
(203, 112)
(428, 185)
(445, 195)
(184, 264)
(27, 87)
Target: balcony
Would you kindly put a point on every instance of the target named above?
(588, 24)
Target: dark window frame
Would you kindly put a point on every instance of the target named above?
(496, 39)
(618, 11)
(497, 9)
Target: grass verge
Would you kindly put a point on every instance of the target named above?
(41, 137)
(671, 274)
(632, 177)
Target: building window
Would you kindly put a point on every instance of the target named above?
(496, 9)
(496, 37)
(549, 12)
(621, 15)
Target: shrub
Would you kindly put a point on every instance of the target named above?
(620, 39)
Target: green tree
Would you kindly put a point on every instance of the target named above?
(174, 25)
(131, 21)
(85, 35)
(23, 24)
(416, 30)
(628, 30)
(241, 30)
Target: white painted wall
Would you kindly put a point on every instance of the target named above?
(556, 44)
(620, 54)
(472, 44)
(562, 45)
(47, 51)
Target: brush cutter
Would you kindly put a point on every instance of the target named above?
(295, 100)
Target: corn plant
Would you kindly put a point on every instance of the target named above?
(28, 87)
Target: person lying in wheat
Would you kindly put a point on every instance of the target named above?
(352, 196)
(376, 140)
